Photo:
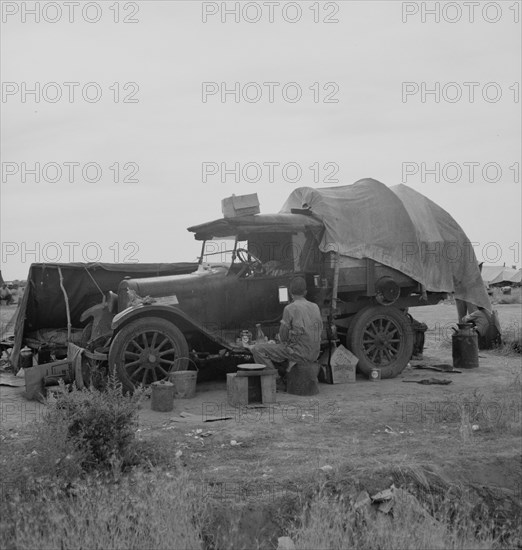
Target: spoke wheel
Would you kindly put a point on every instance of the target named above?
(148, 350)
(382, 338)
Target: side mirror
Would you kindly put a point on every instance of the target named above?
(283, 295)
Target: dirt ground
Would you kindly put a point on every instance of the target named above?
(469, 430)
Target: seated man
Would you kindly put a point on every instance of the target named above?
(487, 327)
(299, 333)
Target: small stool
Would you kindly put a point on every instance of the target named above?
(246, 387)
(302, 379)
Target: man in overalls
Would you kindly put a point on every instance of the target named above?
(299, 333)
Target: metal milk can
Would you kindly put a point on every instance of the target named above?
(464, 347)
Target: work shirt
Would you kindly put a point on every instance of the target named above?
(301, 328)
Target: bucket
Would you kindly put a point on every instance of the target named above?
(184, 383)
(162, 396)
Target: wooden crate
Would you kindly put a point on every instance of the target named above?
(34, 376)
(342, 368)
(244, 388)
(241, 205)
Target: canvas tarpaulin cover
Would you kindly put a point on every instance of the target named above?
(43, 302)
(400, 228)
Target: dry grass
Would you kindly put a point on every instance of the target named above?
(495, 412)
(138, 511)
(431, 513)
(334, 527)
(155, 507)
(67, 482)
(511, 342)
(511, 339)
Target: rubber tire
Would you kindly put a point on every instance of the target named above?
(356, 330)
(149, 324)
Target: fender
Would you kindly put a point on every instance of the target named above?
(101, 321)
(171, 313)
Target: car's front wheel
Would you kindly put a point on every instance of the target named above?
(147, 350)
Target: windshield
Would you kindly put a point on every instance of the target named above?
(220, 251)
(264, 252)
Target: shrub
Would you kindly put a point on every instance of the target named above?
(102, 424)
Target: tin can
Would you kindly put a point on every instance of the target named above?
(375, 374)
(317, 280)
(325, 282)
(44, 354)
(26, 358)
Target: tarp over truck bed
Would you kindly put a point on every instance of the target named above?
(43, 302)
(400, 228)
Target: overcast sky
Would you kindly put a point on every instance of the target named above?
(153, 124)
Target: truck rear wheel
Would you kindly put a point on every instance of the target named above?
(147, 350)
(381, 338)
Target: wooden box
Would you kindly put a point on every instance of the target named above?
(244, 388)
(241, 205)
(342, 367)
(34, 376)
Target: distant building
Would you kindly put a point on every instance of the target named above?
(498, 275)
(517, 278)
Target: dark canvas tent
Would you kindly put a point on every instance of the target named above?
(400, 228)
(43, 303)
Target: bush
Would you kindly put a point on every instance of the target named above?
(65, 482)
(101, 424)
